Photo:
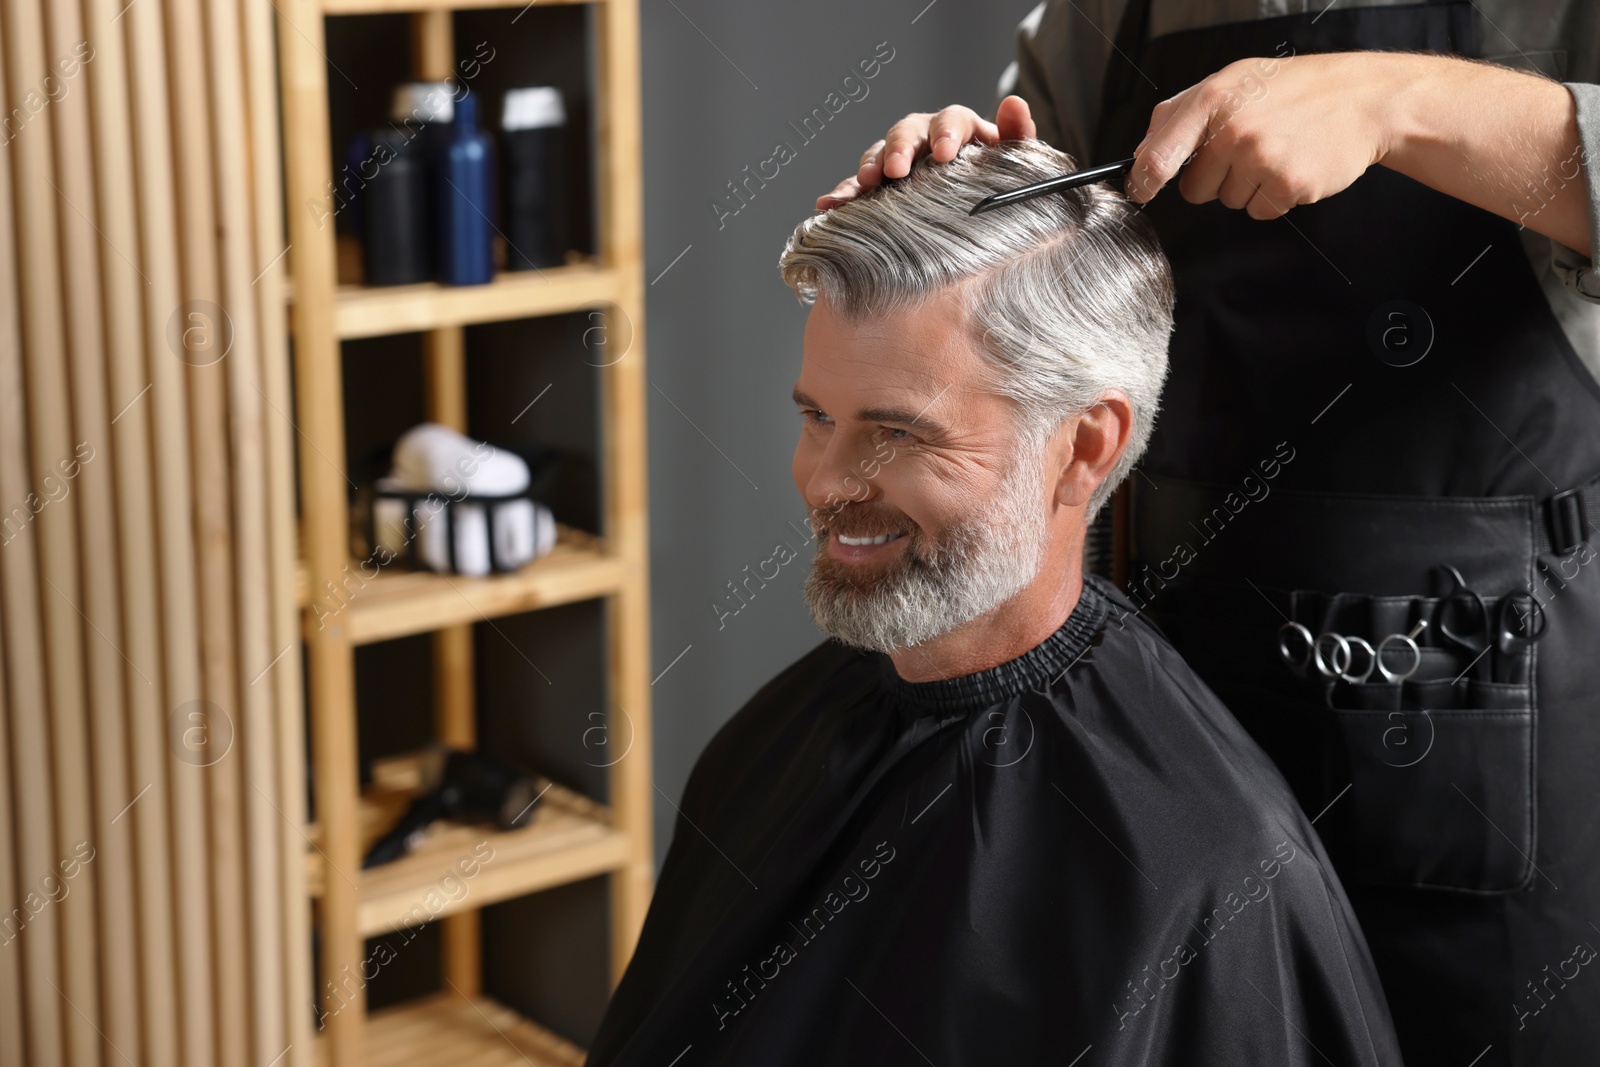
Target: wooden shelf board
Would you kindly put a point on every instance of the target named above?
(569, 838)
(373, 311)
(447, 1029)
(401, 602)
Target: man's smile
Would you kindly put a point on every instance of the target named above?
(856, 549)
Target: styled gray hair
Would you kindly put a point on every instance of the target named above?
(1068, 295)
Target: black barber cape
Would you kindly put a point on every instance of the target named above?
(1078, 853)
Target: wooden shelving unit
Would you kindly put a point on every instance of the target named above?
(571, 837)
(445, 1031)
(363, 312)
(400, 603)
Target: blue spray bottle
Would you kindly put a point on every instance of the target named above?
(463, 176)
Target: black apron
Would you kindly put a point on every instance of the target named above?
(1361, 393)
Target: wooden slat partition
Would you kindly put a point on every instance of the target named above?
(153, 908)
(264, 1040)
(11, 1026)
(158, 258)
(49, 441)
(130, 464)
(285, 675)
(204, 318)
(81, 307)
(34, 830)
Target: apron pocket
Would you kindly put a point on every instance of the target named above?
(1436, 797)
(1421, 783)
(1429, 781)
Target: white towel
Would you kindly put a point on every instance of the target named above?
(430, 456)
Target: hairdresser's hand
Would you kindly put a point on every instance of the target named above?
(1269, 133)
(946, 131)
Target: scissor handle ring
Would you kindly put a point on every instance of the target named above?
(1333, 667)
(1416, 657)
(1533, 625)
(1460, 591)
(1372, 660)
(1299, 664)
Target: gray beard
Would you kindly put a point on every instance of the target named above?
(973, 568)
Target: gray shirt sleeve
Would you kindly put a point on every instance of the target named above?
(1578, 272)
(1060, 67)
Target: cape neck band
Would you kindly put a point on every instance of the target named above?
(1034, 669)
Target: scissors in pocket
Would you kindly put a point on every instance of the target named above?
(1333, 654)
(1515, 622)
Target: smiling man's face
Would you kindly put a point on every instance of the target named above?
(928, 514)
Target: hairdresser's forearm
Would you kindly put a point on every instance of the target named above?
(1499, 139)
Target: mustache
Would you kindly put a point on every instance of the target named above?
(861, 521)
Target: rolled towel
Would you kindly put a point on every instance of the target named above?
(431, 456)
(523, 530)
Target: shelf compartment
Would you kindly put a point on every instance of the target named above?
(398, 602)
(374, 311)
(569, 838)
(447, 1029)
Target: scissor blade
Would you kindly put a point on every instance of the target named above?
(1052, 185)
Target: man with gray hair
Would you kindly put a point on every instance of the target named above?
(994, 818)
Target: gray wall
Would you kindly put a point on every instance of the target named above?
(722, 82)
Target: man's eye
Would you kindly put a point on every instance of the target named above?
(897, 434)
(814, 416)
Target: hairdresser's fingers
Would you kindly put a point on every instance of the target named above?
(1177, 128)
(1013, 119)
(1160, 115)
(945, 131)
(955, 126)
(1272, 200)
(869, 170)
(842, 193)
(1237, 190)
(868, 174)
(1204, 177)
(905, 141)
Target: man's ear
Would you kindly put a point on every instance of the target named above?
(1094, 441)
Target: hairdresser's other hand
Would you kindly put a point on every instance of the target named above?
(1269, 133)
(946, 131)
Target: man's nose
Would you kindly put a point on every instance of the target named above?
(840, 476)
